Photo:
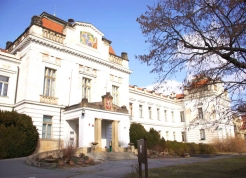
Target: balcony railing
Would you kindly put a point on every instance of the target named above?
(115, 59)
(48, 99)
(53, 36)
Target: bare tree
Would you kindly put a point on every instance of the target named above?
(205, 37)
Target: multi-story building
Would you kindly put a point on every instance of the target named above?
(67, 77)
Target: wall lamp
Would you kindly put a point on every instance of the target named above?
(83, 112)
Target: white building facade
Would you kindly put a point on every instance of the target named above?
(66, 76)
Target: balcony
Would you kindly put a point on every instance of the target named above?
(115, 59)
(53, 36)
(48, 99)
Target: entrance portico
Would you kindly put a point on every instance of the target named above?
(98, 124)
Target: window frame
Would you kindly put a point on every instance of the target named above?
(141, 111)
(86, 88)
(202, 134)
(182, 117)
(165, 116)
(167, 135)
(49, 87)
(131, 109)
(200, 113)
(172, 115)
(183, 136)
(46, 123)
(150, 112)
(115, 94)
(4, 85)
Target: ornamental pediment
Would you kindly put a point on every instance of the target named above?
(90, 27)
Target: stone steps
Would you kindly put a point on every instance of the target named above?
(111, 156)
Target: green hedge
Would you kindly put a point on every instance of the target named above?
(137, 131)
(18, 136)
(154, 142)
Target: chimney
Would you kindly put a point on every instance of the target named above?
(70, 22)
(8, 44)
(124, 55)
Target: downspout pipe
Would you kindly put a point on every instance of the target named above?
(16, 87)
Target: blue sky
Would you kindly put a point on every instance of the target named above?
(115, 18)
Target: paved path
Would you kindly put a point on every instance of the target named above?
(17, 168)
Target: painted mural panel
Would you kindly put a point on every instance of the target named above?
(88, 39)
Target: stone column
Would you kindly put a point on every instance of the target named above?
(115, 135)
(98, 133)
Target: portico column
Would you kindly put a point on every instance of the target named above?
(98, 133)
(115, 135)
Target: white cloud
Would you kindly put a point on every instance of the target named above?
(167, 88)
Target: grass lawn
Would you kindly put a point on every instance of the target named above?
(222, 168)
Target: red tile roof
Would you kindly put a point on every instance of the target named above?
(52, 25)
(199, 83)
(180, 96)
(111, 51)
(3, 50)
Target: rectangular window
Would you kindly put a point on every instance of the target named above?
(174, 136)
(172, 114)
(158, 114)
(47, 127)
(150, 114)
(115, 94)
(49, 82)
(140, 111)
(165, 115)
(202, 134)
(182, 116)
(166, 135)
(86, 88)
(183, 136)
(4, 82)
(130, 108)
(200, 113)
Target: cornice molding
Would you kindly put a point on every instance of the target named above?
(65, 49)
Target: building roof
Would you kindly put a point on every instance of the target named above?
(52, 25)
(3, 50)
(178, 96)
(111, 50)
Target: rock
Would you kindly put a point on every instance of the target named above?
(60, 162)
(80, 163)
(91, 161)
(71, 163)
(86, 161)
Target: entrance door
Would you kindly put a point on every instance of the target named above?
(106, 133)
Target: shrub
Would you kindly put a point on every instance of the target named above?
(237, 145)
(137, 131)
(69, 150)
(153, 138)
(18, 136)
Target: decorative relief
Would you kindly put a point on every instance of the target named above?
(107, 101)
(87, 70)
(88, 39)
(6, 66)
(51, 59)
(115, 79)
